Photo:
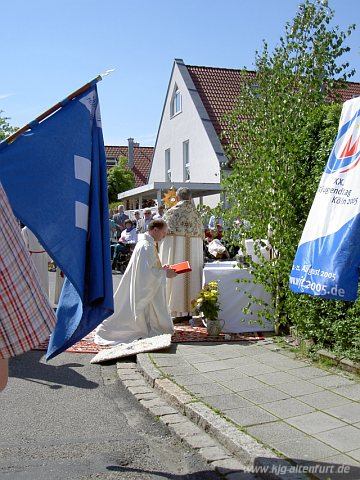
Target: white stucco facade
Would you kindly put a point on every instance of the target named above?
(191, 124)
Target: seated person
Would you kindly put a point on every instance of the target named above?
(127, 240)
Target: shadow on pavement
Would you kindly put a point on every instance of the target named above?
(200, 475)
(28, 367)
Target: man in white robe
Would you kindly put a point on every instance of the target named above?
(39, 257)
(141, 309)
(184, 242)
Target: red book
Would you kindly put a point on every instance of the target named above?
(181, 267)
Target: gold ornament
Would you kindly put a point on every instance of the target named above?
(170, 198)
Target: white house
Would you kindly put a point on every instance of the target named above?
(190, 145)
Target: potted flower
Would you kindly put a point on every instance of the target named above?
(207, 305)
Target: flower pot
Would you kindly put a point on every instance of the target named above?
(214, 327)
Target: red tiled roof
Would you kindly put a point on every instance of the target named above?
(142, 160)
(219, 88)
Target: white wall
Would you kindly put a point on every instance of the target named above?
(191, 124)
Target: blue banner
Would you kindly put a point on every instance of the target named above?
(327, 261)
(55, 179)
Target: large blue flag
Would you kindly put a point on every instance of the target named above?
(55, 178)
(327, 261)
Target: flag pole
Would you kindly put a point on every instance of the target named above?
(55, 107)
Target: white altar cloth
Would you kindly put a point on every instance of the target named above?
(233, 298)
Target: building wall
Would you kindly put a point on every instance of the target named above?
(190, 126)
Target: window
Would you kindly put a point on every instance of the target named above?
(167, 166)
(186, 161)
(175, 106)
(111, 161)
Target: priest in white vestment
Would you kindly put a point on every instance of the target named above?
(184, 242)
(39, 257)
(141, 309)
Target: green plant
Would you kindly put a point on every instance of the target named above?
(279, 137)
(207, 301)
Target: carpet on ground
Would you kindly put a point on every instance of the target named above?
(184, 333)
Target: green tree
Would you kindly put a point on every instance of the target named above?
(119, 179)
(274, 139)
(5, 128)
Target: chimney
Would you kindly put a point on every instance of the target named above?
(130, 152)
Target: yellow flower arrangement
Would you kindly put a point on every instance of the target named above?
(207, 301)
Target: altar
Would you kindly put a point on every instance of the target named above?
(233, 298)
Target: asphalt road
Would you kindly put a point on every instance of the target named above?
(67, 419)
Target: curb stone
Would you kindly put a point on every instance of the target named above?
(202, 429)
(193, 436)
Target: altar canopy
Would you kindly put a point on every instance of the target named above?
(54, 174)
(328, 257)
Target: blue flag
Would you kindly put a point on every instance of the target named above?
(327, 261)
(55, 179)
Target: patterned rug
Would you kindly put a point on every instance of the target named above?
(183, 333)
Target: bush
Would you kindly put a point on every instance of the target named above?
(279, 138)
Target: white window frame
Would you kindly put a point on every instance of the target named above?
(168, 165)
(186, 160)
(176, 103)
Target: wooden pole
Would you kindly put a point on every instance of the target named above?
(53, 109)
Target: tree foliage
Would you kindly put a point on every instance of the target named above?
(5, 128)
(280, 135)
(119, 179)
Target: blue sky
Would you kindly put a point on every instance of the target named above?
(50, 48)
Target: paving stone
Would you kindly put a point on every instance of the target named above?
(227, 355)
(229, 465)
(274, 433)
(146, 396)
(120, 365)
(299, 387)
(249, 416)
(315, 422)
(355, 454)
(212, 454)
(279, 361)
(134, 383)
(287, 408)
(275, 378)
(186, 380)
(350, 412)
(323, 400)
(185, 429)
(154, 402)
(332, 381)
(170, 361)
(264, 395)
(226, 402)
(351, 391)
(207, 389)
(342, 467)
(225, 375)
(173, 418)
(181, 370)
(345, 439)
(212, 366)
(162, 410)
(307, 449)
(200, 441)
(144, 389)
(199, 358)
(309, 372)
(256, 369)
(241, 384)
(253, 350)
(241, 476)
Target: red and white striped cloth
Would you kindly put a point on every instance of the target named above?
(26, 317)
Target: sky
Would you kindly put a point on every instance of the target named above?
(52, 47)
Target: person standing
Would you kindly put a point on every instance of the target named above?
(141, 309)
(184, 242)
(160, 212)
(144, 225)
(119, 218)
